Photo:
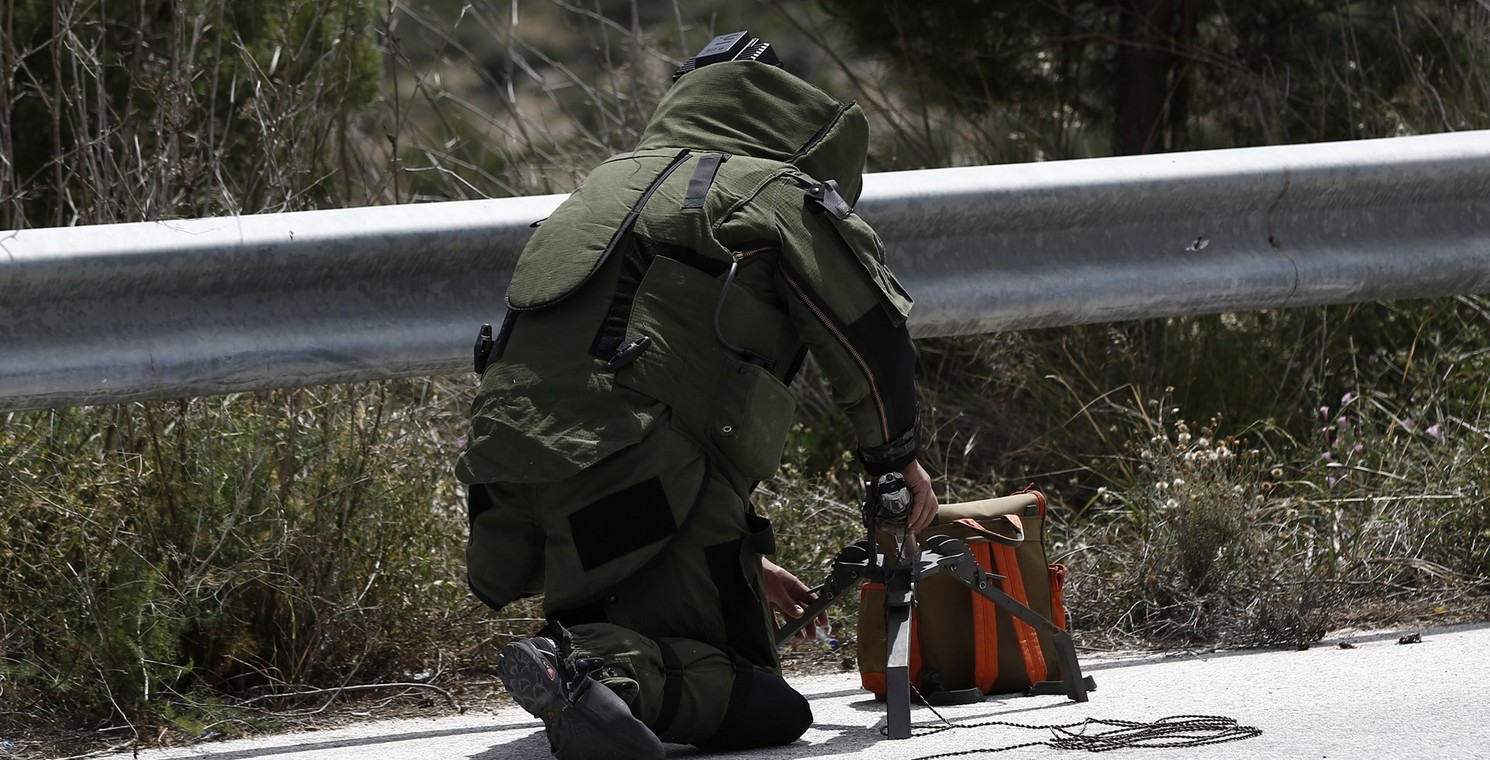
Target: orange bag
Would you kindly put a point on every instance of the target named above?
(960, 640)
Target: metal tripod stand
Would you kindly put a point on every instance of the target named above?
(886, 509)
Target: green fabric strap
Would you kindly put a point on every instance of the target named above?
(672, 688)
(703, 179)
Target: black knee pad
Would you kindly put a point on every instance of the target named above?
(763, 712)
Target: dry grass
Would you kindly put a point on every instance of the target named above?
(219, 566)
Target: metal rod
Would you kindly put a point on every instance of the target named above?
(898, 599)
(157, 310)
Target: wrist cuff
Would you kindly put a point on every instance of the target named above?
(895, 455)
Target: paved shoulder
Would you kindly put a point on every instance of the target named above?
(1375, 698)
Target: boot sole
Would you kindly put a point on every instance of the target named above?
(531, 679)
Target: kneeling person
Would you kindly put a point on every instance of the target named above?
(636, 393)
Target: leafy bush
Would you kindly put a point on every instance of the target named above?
(244, 545)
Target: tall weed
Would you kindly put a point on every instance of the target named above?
(244, 545)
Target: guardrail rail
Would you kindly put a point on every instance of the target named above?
(156, 310)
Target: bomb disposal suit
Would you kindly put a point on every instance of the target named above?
(637, 391)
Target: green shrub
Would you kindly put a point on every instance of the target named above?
(249, 544)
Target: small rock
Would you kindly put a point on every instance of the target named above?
(1411, 638)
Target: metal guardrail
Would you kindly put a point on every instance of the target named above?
(113, 313)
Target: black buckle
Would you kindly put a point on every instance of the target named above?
(827, 196)
(628, 353)
(484, 345)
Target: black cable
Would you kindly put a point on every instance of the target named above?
(763, 362)
(1172, 732)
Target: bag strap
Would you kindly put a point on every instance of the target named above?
(1029, 639)
(982, 533)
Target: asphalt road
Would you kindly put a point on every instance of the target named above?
(1376, 699)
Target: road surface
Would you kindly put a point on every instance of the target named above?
(1376, 698)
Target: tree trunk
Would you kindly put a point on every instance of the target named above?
(1152, 91)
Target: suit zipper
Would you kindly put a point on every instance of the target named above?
(874, 391)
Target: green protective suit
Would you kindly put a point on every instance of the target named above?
(637, 388)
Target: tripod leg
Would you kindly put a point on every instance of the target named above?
(849, 566)
(898, 643)
(1065, 650)
(810, 613)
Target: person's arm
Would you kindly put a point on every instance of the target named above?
(868, 358)
(851, 314)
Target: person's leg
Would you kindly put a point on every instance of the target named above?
(686, 640)
(689, 692)
(504, 554)
(705, 584)
(678, 622)
(584, 720)
(763, 711)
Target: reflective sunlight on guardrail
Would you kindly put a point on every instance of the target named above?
(159, 310)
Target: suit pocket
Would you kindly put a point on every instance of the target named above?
(752, 414)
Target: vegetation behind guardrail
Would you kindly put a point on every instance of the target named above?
(210, 566)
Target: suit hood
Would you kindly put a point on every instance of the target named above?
(753, 109)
